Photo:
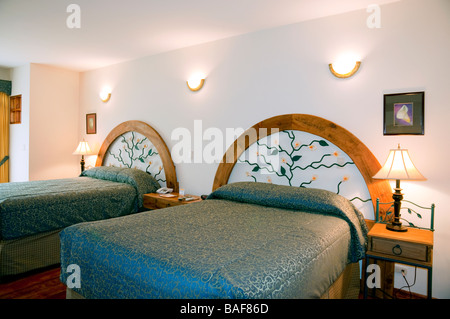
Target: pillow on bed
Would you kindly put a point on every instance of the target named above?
(282, 196)
(142, 181)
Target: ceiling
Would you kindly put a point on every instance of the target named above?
(113, 31)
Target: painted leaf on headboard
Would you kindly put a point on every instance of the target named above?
(302, 159)
(134, 150)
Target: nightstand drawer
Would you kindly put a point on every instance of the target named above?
(165, 203)
(153, 203)
(400, 249)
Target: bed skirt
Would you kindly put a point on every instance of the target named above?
(347, 285)
(22, 255)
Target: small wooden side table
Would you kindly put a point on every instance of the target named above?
(157, 201)
(413, 247)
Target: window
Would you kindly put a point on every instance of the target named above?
(15, 109)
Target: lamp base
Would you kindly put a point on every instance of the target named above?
(82, 163)
(396, 224)
(396, 227)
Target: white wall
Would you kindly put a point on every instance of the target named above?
(5, 74)
(41, 146)
(19, 134)
(54, 101)
(285, 70)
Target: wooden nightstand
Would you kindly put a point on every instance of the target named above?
(413, 247)
(156, 201)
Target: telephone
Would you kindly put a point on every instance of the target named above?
(164, 190)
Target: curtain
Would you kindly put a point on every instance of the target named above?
(4, 138)
(5, 86)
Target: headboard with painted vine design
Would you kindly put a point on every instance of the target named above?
(302, 150)
(135, 144)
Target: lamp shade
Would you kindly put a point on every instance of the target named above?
(399, 166)
(83, 149)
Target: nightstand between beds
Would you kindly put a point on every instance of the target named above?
(158, 201)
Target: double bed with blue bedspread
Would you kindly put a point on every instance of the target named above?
(33, 213)
(247, 240)
(28, 208)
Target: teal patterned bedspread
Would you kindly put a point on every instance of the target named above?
(28, 208)
(247, 240)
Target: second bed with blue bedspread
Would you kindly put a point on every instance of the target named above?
(247, 240)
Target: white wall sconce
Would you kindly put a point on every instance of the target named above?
(105, 95)
(344, 67)
(196, 82)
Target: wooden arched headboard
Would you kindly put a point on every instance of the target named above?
(153, 136)
(362, 157)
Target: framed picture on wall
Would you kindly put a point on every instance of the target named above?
(91, 123)
(404, 113)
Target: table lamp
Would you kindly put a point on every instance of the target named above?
(398, 167)
(82, 149)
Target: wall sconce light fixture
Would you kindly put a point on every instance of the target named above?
(105, 95)
(196, 82)
(344, 70)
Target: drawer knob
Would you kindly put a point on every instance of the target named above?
(397, 250)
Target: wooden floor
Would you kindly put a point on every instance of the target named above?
(42, 285)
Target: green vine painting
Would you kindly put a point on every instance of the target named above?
(134, 150)
(299, 159)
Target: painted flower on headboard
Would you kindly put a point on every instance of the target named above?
(133, 150)
(285, 160)
(301, 159)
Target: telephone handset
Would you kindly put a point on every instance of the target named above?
(164, 190)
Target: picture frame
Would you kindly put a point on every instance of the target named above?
(404, 114)
(91, 123)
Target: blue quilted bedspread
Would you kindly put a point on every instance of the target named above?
(28, 208)
(247, 240)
